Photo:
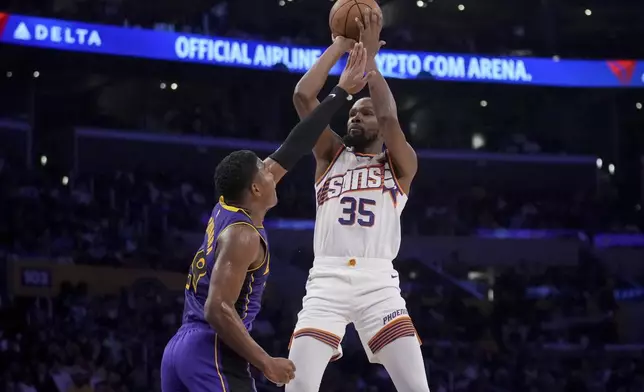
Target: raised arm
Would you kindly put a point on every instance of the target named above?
(305, 100)
(307, 132)
(238, 248)
(401, 152)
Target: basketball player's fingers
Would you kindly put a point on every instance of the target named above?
(358, 68)
(360, 27)
(359, 57)
(352, 57)
(367, 18)
(369, 75)
(364, 79)
(363, 60)
(382, 43)
(376, 19)
(281, 380)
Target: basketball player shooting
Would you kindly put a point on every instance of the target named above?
(213, 349)
(361, 190)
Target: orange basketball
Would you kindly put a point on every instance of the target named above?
(342, 19)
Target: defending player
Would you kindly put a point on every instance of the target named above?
(213, 349)
(361, 192)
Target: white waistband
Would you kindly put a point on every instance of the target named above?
(353, 262)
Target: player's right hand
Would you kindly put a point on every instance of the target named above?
(279, 371)
(370, 27)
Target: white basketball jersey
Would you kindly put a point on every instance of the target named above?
(359, 203)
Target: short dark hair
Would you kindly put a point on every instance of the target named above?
(235, 174)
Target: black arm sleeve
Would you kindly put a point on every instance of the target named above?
(306, 133)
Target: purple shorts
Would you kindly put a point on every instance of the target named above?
(196, 360)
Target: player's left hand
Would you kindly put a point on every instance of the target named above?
(344, 43)
(354, 77)
(370, 28)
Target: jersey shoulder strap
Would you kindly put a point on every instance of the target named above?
(336, 158)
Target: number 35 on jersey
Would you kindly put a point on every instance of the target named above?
(359, 203)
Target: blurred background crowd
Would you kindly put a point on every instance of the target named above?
(523, 253)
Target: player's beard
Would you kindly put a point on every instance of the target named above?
(358, 141)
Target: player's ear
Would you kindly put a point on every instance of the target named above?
(255, 189)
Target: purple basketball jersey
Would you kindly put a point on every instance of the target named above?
(249, 302)
(196, 359)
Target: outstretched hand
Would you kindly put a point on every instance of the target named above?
(346, 44)
(354, 78)
(370, 27)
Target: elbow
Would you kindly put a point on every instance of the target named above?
(300, 97)
(215, 312)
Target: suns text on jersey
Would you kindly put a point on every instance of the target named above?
(366, 178)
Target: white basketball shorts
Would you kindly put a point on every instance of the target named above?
(362, 291)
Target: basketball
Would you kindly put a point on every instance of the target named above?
(342, 19)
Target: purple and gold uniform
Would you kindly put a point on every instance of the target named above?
(196, 359)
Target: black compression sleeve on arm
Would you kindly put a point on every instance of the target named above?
(306, 133)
